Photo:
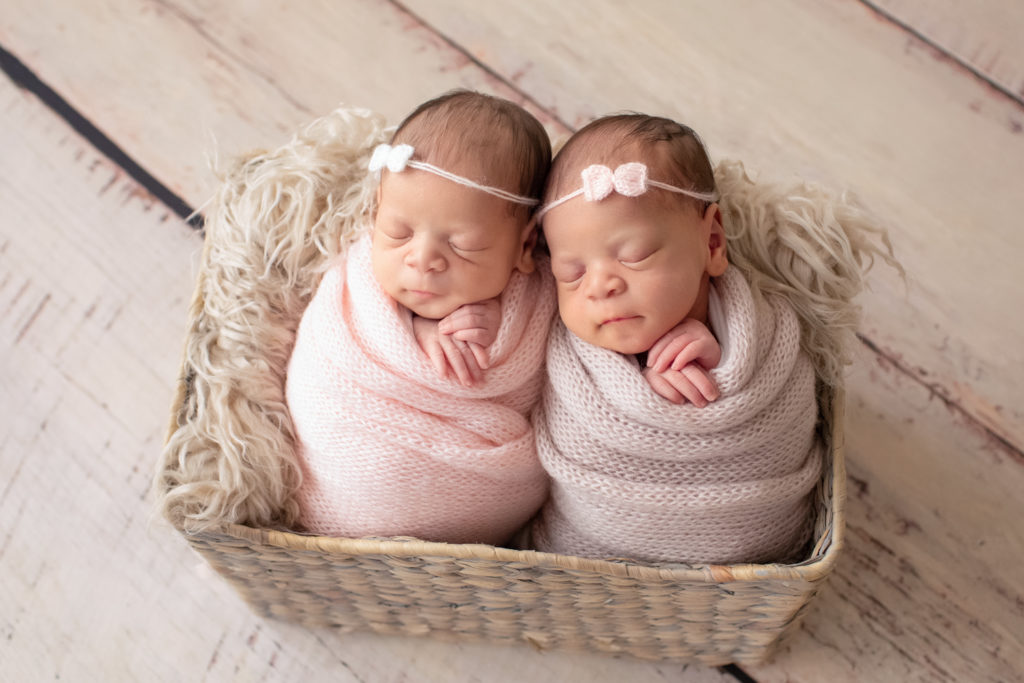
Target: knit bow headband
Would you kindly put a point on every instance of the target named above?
(399, 157)
(629, 180)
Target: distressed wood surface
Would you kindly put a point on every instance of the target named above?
(96, 275)
(176, 82)
(95, 282)
(930, 586)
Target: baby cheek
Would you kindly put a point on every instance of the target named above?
(571, 312)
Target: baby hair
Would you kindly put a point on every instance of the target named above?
(673, 153)
(494, 137)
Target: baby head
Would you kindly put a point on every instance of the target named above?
(459, 187)
(634, 231)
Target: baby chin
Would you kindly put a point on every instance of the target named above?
(427, 304)
(625, 335)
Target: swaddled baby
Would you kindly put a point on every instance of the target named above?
(678, 421)
(419, 359)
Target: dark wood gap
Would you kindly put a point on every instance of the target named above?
(25, 79)
(737, 673)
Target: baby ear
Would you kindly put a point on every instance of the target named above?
(528, 237)
(718, 260)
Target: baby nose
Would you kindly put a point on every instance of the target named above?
(604, 283)
(425, 256)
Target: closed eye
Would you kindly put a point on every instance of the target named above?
(397, 232)
(568, 274)
(466, 247)
(632, 260)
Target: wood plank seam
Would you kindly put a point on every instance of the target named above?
(24, 78)
(942, 53)
(938, 391)
(199, 28)
(481, 65)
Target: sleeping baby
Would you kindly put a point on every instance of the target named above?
(420, 357)
(679, 418)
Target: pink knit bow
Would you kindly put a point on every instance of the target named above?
(629, 180)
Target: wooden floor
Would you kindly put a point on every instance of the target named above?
(109, 110)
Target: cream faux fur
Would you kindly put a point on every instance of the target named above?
(277, 219)
(810, 245)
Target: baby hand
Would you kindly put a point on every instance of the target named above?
(691, 383)
(447, 353)
(679, 361)
(689, 341)
(475, 324)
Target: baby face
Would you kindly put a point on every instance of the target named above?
(438, 245)
(631, 269)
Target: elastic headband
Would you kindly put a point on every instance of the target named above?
(399, 157)
(629, 180)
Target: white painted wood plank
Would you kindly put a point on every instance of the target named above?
(822, 91)
(930, 585)
(176, 81)
(988, 35)
(94, 281)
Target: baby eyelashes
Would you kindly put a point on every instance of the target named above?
(678, 364)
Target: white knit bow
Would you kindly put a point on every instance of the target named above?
(629, 180)
(394, 158)
(397, 158)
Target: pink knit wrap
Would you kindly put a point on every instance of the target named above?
(635, 476)
(388, 448)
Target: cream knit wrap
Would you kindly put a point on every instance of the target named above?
(636, 476)
(389, 448)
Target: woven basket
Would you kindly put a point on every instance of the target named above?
(710, 614)
(713, 614)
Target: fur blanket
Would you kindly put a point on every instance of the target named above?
(636, 476)
(389, 448)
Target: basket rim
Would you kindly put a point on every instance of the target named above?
(811, 570)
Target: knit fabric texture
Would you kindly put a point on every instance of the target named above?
(636, 476)
(387, 447)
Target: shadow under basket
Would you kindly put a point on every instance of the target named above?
(711, 614)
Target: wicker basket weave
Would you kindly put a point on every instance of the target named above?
(710, 614)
